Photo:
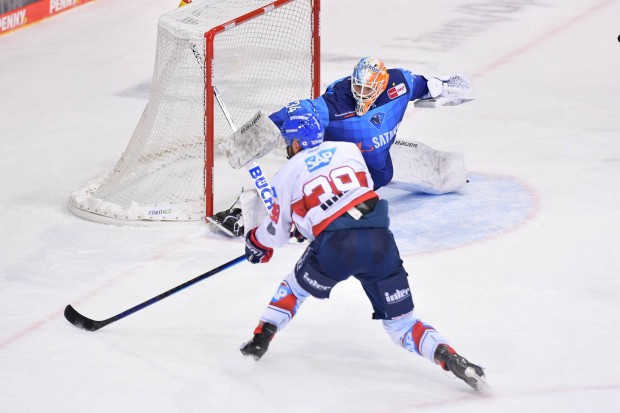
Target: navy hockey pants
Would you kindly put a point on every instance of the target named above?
(368, 254)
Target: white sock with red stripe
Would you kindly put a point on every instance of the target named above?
(285, 302)
(414, 335)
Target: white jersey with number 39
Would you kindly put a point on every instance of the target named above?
(313, 188)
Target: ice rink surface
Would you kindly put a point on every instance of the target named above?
(519, 269)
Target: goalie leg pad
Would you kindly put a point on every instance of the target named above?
(252, 209)
(420, 168)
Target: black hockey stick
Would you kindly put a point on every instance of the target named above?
(86, 323)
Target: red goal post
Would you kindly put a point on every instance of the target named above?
(210, 37)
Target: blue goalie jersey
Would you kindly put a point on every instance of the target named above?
(375, 131)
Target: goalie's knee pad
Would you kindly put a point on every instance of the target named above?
(252, 208)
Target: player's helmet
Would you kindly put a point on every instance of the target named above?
(368, 81)
(306, 128)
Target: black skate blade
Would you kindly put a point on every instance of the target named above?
(220, 226)
(477, 382)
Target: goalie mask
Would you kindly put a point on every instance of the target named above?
(306, 128)
(368, 81)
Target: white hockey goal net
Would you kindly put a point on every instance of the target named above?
(259, 56)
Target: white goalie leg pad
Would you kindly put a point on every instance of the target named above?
(252, 209)
(285, 302)
(253, 140)
(414, 335)
(420, 168)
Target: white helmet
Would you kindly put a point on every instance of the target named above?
(368, 81)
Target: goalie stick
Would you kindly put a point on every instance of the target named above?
(88, 324)
(256, 173)
(440, 101)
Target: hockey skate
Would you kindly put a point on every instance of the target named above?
(257, 347)
(229, 221)
(470, 373)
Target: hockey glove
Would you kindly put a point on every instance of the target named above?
(295, 235)
(445, 91)
(255, 252)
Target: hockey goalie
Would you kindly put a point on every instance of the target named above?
(365, 108)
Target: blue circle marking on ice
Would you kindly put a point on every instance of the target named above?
(487, 206)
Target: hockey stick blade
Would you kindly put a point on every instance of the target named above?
(88, 324)
(83, 322)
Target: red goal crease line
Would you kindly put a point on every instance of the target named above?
(32, 12)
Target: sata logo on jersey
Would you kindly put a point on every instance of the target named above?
(319, 160)
(377, 120)
(396, 91)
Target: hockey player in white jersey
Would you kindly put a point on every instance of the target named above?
(326, 190)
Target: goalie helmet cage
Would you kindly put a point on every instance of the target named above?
(259, 55)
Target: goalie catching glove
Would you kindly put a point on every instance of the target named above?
(445, 91)
(255, 252)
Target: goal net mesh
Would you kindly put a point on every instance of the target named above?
(259, 64)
